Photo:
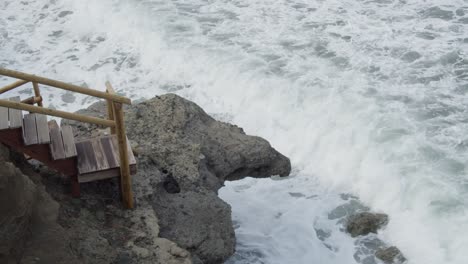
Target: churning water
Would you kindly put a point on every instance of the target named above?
(367, 97)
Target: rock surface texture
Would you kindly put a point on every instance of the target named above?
(29, 230)
(365, 223)
(183, 155)
(390, 255)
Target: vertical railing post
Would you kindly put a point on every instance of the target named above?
(125, 180)
(110, 106)
(37, 93)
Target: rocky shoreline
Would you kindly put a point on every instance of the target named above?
(184, 156)
(365, 224)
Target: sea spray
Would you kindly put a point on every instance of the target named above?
(366, 97)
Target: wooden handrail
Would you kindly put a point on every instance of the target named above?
(57, 113)
(33, 100)
(64, 86)
(12, 86)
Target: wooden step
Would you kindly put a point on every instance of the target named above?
(35, 129)
(56, 143)
(62, 145)
(4, 123)
(29, 130)
(11, 118)
(68, 141)
(43, 136)
(15, 116)
(98, 158)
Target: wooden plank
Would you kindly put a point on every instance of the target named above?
(101, 175)
(110, 152)
(131, 157)
(43, 136)
(86, 158)
(30, 130)
(15, 115)
(68, 141)
(64, 86)
(3, 118)
(56, 144)
(101, 160)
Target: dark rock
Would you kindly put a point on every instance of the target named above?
(171, 185)
(390, 255)
(198, 221)
(29, 231)
(17, 196)
(365, 223)
(411, 56)
(123, 258)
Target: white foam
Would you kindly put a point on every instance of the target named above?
(330, 83)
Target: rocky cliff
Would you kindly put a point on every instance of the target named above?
(184, 156)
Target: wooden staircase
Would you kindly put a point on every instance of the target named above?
(96, 158)
(87, 160)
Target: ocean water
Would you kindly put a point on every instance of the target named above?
(367, 97)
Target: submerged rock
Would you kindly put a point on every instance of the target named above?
(390, 255)
(365, 223)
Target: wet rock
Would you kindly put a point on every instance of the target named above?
(390, 255)
(347, 209)
(365, 223)
(411, 56)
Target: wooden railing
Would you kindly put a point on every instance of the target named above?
(115, 118)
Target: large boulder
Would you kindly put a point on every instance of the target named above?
(184, 156)
(179, 137)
